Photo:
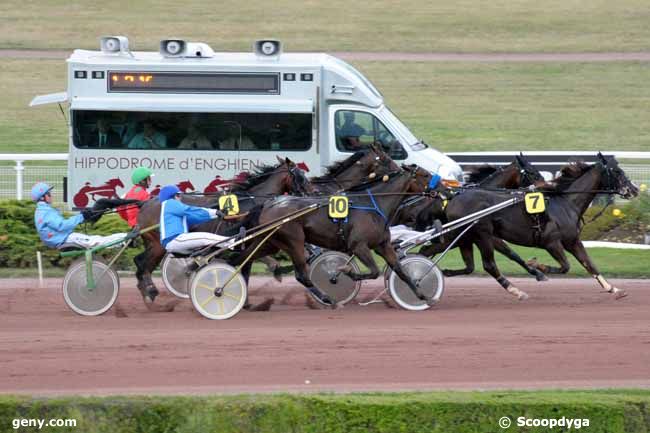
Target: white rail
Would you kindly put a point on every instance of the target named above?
(19, 167)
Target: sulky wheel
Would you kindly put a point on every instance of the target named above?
(90, 301)
(210, 298)
(176, 275)
(426, 276)
(328, 279)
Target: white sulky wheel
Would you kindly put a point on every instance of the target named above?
(84, 300)
(176, 276)
(323, 272)
(428, 278)
(218, 306)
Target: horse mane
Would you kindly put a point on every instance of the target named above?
(480, 173)
(258, 176)
(338, 167)
(568, 174)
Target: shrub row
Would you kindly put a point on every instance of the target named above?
(457, 412)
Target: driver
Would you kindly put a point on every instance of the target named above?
(55, 230)
(351, 131)
(176, 217)
(141, 179)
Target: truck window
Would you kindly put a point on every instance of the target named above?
(192, 131)
(356, 129)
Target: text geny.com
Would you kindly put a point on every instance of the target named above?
(40, 423)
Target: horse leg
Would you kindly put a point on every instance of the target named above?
(467, 253)
(273, 266)
(265, 305)
(363, 253)
(486, 247)
(387, 252)
(432, 249)
(152, 256)
(578, 251)
(501, 246)
(295, 247)
(556, 250)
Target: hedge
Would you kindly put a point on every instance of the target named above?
(448, 412)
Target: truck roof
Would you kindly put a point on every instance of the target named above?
(140, 58)
(338, 79)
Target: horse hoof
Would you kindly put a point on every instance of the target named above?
(277, 274)
(522, 296)
(532, 262)
(620, 294)
(541, 276)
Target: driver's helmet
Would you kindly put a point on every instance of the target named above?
(167, 192)
(140, 174)
(39, 190)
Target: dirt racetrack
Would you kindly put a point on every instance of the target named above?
(567, 334)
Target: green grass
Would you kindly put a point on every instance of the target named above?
(610, 411)
(452, 106)
(519, 106)
(611, 262)
(31, 130)
(383, 25)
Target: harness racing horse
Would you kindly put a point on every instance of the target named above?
(365, 229)
(518, 174)
(366, 164)
(264, 183)
(559, 232)
(252, 190)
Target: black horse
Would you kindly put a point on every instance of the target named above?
(557, 230)
(518, 174)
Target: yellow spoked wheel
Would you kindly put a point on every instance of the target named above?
(90, 301)
(209, 295)
(176, 275)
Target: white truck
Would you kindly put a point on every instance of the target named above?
(198, 117)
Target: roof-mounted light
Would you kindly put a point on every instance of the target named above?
(114, 44)
(268, 48)
(181, 48)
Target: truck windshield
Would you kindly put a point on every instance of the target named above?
(192, 131)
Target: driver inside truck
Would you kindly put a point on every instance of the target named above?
(350, 132)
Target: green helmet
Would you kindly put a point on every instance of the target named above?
(140, 174)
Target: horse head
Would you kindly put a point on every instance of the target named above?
(296, 182)
(528, 174)
(420, 178)
(614, 178)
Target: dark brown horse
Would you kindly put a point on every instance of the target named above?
(264, 183)
(372, 207)
(253, 190)
(557, 230)
(364, 165)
